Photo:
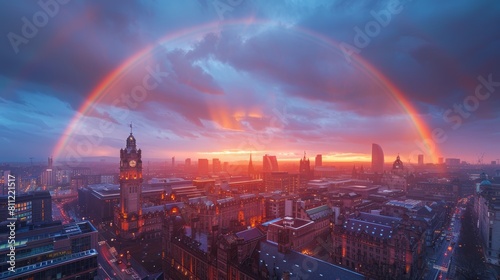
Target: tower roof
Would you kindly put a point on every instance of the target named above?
(131, 143)
(250, 166)
(398, 164)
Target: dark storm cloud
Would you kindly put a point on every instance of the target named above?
(433, 54)
(307, 69)
(73, 50)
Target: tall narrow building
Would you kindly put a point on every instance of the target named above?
(420, 159)
(129, 220)
(377, 159)
(48, 176)
(251, 170)
(269, 163)
(304, 171)
(202, 167)
(216, 166)
(318, 160)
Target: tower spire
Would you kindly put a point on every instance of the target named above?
(130, 127)
(251, 170)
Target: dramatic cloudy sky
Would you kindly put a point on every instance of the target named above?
(223, 78)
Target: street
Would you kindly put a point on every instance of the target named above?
(109, 268)
(443, 266)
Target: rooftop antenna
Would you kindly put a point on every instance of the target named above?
(130, 127)
(31, 161)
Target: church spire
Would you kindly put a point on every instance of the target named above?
(251, 170)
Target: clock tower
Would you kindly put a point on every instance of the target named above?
(128, 218)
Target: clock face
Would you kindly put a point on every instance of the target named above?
(132, 163)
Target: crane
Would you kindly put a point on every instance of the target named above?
(480, 159)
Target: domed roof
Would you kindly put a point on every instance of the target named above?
(178, 221)
(131, 142)
(398, 164)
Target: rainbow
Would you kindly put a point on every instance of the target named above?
(107, 83)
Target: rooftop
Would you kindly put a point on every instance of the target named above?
(32, 268)
(159, 208)
(199, 240)
(408, 203)
(376, 225)
(319, 212)
(293, 223)
(299, 265)
(56, 232)
(379, 219)
(250, 234)
(105, 190)
(376, 230)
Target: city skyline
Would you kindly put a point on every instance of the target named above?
(208, 80)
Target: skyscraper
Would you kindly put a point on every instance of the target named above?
(420, 159)
(269, 163)
(216, 166)
(202, 167)
(48, 176)
(377, 158)
(319, 160)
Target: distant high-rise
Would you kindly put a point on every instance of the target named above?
(377, 158)
(304, 171)
(251, 170)
(187, 162)
(202, 166)
(173, 162)
(440, 160)
(269, 163)
(420, 159)
(216, 166)
(48, 176)
(319, 160)
(4, 182)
